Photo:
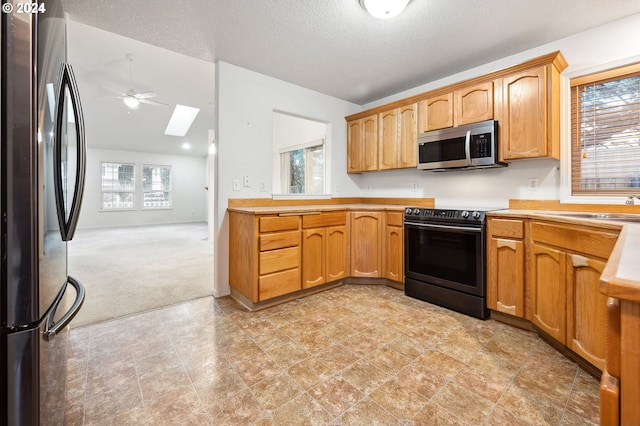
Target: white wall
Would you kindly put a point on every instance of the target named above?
(246, 102)
(189, 177)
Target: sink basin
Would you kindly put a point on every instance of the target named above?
(618, 217)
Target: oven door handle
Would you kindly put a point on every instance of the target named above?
(456, 228)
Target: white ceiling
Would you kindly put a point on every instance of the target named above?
(334, 46)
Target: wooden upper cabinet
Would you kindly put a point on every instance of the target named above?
(473, 104)
(388, 139)
(436, 113)
(529, 114)
(370, 143)
(407, 141)
(362, 144)
(397, 138)
(354, 146)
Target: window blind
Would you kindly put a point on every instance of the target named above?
(605, 132)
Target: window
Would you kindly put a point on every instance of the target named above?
(156, 186)
(302, 168)
(118, 186)
(605, 132)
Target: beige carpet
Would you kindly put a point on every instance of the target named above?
(135, 269)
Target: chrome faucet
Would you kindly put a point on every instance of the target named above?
(629, 201)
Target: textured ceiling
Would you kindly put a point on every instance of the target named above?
(334, 47)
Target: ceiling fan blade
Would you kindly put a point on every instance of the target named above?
(155, 103)
(145, 95)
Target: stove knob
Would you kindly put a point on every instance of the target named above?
(408, 210)
(476, 215)
(464, 214)
(416, 212)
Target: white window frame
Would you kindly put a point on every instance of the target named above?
(565, 136)
(102, 191)
(143, 192)
(285, 169)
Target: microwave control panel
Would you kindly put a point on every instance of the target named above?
(481, 145)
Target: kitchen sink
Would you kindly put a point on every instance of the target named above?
(618, 217)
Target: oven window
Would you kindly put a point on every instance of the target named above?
(446, 257)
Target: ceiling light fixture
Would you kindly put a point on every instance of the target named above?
(384, 9)
(186, 146)
(131, 101)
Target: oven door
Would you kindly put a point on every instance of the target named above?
(449, 256)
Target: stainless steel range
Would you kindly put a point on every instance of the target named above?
(445, 258)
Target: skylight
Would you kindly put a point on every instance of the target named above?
(181, 120)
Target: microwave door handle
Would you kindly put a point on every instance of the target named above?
(467, 147)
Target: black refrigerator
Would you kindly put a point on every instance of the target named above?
(42, 174)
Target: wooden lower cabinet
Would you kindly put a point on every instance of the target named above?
(586, 309)
(324, 255)
(337, 253)
(548, 290)
(566, 265)
(366, 244)
(393, 262)
(505, 266)
(324, 248)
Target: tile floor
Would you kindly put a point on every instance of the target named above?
(353, 355)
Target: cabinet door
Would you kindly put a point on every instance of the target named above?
(436, 113)
(355, 149)
(393, 258)
(474, 104)
(388, 139)
(370, 143)
(336, 253)
(505, 276)
(313, 250)
(548, 290)
(408, 136)
(586, 309)
(366, 244)
(523, 119)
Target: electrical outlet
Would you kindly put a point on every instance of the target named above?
(236, 185)
(533, 184)
(414, 186)
(369, 188)
(263, 186)
(245, 181)
(336, 188)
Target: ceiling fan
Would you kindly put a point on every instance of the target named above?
(133, 99)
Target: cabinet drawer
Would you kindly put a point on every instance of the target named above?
(511, 228)
(279, 223)
(279, 240)
(324, 219)
(582, 240)
(280, 283)
(279, 260)
(395, 219)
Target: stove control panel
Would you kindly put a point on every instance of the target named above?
(416, 213)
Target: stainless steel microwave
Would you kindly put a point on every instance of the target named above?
(469, 146)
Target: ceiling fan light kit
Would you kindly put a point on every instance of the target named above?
(384, 9)
(131, 101)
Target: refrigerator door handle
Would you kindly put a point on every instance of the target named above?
(68, 81)
(52, 327)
